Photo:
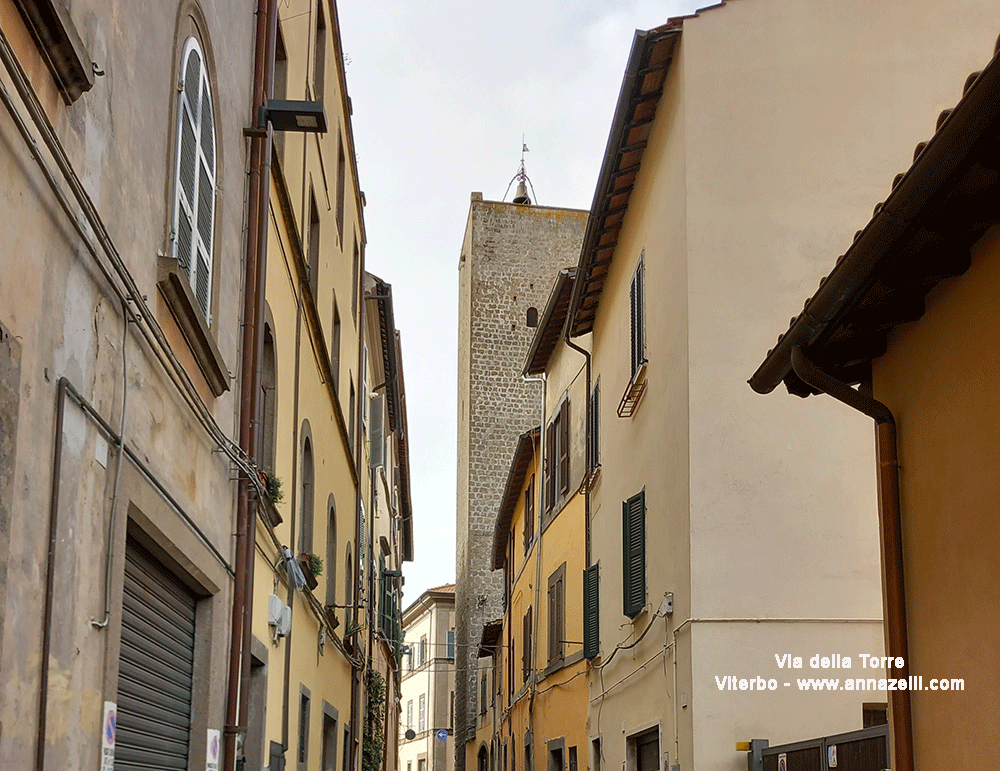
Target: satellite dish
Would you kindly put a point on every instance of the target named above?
(410, 734)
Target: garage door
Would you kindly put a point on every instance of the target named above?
(155, 666)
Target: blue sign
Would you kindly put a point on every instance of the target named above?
(442, 734)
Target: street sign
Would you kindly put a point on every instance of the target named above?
(442, 734)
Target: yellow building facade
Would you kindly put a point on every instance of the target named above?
(532, 686)
(330, 542)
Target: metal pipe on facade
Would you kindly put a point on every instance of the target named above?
(891, 536)
(43, 688)
(258, 356)
(538, 554)
(357, 663)
(588, 460)
(248, 394)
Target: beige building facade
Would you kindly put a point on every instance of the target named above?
(427, 692)
(715, 561)
(120, 310)
(914, 301)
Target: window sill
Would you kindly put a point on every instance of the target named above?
(562, 663)
(633, 393)
(180, 299)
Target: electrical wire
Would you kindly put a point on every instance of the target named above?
(118, 277)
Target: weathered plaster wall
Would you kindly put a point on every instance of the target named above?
(119, 139)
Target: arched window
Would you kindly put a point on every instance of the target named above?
(532, 317)
(269, 402)
(484, 763)
(194, 179)
(348, 577)
(306, 507)
(331, 552)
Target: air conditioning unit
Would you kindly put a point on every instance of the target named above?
(279, 616)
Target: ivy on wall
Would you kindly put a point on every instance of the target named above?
(373, 745)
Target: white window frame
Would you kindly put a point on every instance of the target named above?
(201, 242)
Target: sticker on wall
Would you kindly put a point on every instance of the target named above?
(109, 730)
(782, 762)
(831, 756)
(442, 734)
(212, 750)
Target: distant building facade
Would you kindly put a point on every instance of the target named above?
(509, 254)
(427, 693)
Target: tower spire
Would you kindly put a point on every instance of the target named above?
(521, 193)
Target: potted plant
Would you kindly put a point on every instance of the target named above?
(274, 491)
(312, 566)
(274, 496)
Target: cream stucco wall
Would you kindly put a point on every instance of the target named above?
(939, 379)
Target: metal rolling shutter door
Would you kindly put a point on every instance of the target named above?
(156, 664)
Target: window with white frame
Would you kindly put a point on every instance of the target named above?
(194, 176)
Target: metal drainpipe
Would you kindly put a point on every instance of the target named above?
(891, 536)
(543, 379)
(43, 689)
(293, 533)
(248, 395)
(258, 343)
(357, 664)
(588, 470)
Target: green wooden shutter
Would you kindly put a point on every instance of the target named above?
(634, 554)
(591, 612)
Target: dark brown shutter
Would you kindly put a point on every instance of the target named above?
(524, 647)
(634, 554)
(529, 513)
(636, 318)
(591, 612)
(564, 447)
(595, 423)
(551, 631)
(550, 479)
(560, 616)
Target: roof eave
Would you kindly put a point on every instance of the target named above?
(535, 363)
(942, 156)
(621, 125)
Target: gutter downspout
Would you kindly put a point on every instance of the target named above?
(543, 379)
(588, 469)
(246, 498)
(257, 425)
(891, 533)
(357, 664)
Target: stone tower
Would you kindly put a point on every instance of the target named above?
(510, 257)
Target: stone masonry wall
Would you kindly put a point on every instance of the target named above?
(510, 258)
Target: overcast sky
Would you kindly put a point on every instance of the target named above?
(442, 92)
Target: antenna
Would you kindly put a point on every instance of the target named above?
(523, 182)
